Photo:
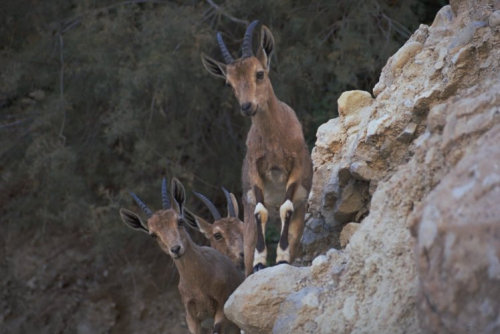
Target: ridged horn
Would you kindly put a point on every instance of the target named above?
(142, 205)
(246, 46)
(165, 199)
(223, 48)
(230, 207)
(211, 207)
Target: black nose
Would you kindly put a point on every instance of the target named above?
(246, 106)
(175, 249)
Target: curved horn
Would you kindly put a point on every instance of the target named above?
(246, 46)
(223, 48)
(230, 207)
(142, 205)
(165, 200)
(211, 207)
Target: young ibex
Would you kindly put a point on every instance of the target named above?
(225, 233)
(277, 170)
(207, 278)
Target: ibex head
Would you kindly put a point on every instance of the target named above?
(248, 75)
(166, 225)
(225, 233)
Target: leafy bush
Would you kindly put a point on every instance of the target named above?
(99, 98)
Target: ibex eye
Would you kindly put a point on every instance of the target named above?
(154, 236)
(217, 236)
(260, 75)
(227, 84)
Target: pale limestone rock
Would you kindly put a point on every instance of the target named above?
(330, 136)
(428, 115)
(443, 17)
(407, 52)
(347, 232)
(377, 126)
(361, 171)
(494, 19)
(254, 305)
(351, 101)
(459, 245)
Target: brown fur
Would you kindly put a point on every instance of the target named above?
(231, 241)
(207, 278)
(277, 156)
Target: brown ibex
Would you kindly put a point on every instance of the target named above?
(225, 233)
(277, 169)
(207, 278)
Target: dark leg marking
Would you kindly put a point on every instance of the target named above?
(284, 235)
(261, 245)
(259, 196)
(290, 191)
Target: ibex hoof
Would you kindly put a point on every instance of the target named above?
(282, 262)
(257, 267)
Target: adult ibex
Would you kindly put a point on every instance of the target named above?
(207, 278)
(277, 170)
(225, 233)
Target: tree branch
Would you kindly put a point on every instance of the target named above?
(61, 88)
(224, 13)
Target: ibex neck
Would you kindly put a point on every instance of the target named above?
(268, 117)
(191, 261)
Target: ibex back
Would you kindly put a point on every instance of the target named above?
(277, 170)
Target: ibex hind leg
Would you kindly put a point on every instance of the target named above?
(194, 325)
(286, 253)
(286, 214)
(260, 253)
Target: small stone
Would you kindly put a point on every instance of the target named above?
(351, 101)
(408, 133)
(361, 171)
(347, 232)
(494, 19)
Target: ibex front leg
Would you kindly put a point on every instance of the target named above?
(261, 216)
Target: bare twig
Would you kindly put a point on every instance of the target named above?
(71, 22)
(224, 13)
(20, 121)
(61, 88)
(398, 27)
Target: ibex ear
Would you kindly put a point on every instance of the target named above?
(133, 221)
(213, 67)
(179, 195)
(190, 219)
(266, 47)
(198, 223)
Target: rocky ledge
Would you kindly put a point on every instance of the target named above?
(408, 181)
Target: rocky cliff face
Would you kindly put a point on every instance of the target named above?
(412, 175)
